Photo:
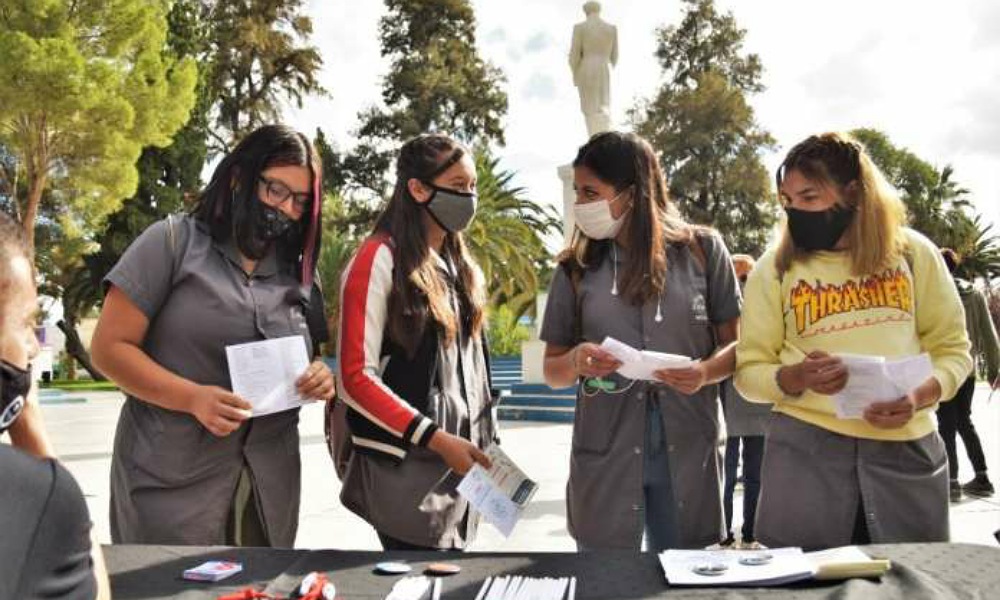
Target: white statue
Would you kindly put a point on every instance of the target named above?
(594, 51)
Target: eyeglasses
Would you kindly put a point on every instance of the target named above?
(277, 193)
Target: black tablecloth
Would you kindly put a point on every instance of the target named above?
(920, 571)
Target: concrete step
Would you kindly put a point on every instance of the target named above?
(535, 414)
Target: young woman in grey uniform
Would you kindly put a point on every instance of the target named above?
(847, 277)
(190, 466)
(644, 457)
(411, 355)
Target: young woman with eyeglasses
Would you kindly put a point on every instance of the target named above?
(190, 465)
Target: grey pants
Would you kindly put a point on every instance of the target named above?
(812, 481)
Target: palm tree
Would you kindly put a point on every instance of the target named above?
(508, 236)
(981, 258)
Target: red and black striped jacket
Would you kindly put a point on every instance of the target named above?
(385, 390)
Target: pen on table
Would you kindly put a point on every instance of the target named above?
(436, 593)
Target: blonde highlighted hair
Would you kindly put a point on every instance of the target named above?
(875, 238)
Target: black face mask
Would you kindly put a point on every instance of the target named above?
(818, 230)
(270, 223)
(14, 386)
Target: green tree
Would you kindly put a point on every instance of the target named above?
(505, 333)
(84, 85)
(339, 244)
(436, 82)
(507, 237)
(704, 130)
(937, 205)
(258, 59)
(981, 257)
(170, 177)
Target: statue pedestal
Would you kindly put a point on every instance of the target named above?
(569, 198)
(533, 350)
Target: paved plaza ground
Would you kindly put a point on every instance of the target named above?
(82, 428)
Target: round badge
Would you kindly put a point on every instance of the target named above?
(440, 568)
(754, 560)
(392, 568)
(711, 569)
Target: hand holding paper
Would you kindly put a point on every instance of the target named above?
(687, 380)
(501, 493)
(643, 364)
(873, 379)
(591, 360)
(264, 373)
(818, 372)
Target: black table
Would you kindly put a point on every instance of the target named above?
(920, 571)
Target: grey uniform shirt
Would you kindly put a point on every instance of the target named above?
(172, 481)
(605, 489)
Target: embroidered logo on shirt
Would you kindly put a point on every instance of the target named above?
(698, 309)
(813, 303)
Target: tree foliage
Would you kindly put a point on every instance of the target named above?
(84, 86)
(436, 82)
(170, 177)
(508, 235)
(258, 59)
(938, 206)
(704, 130)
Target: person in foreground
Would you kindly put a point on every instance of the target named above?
(644, 460)
(412, 359)
(189, 465)
(848, 277)
(46, 551)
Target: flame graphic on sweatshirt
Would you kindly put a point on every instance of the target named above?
(813, 303)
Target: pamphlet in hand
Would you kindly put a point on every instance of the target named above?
(873, 379)
(642, 364)
(264, 373)
(499, 494)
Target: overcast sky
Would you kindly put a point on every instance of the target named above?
(926, 73)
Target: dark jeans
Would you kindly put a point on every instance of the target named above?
(660, 528)
(956, 415)
(753, 453)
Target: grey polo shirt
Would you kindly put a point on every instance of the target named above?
(172, 481)
(605, 491)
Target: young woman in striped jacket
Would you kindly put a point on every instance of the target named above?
(411, 355)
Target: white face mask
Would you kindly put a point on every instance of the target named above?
(595, 218)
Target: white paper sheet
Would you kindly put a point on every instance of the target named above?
(873, 379)
(786, 565)
(264, 373)
(499, 494)
(641, 364)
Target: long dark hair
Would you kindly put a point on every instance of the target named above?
(625, 160)
(419, 294)
(229, 203)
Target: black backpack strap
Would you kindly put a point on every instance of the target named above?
(313, 306)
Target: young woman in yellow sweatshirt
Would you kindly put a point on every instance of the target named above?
(848, 277)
